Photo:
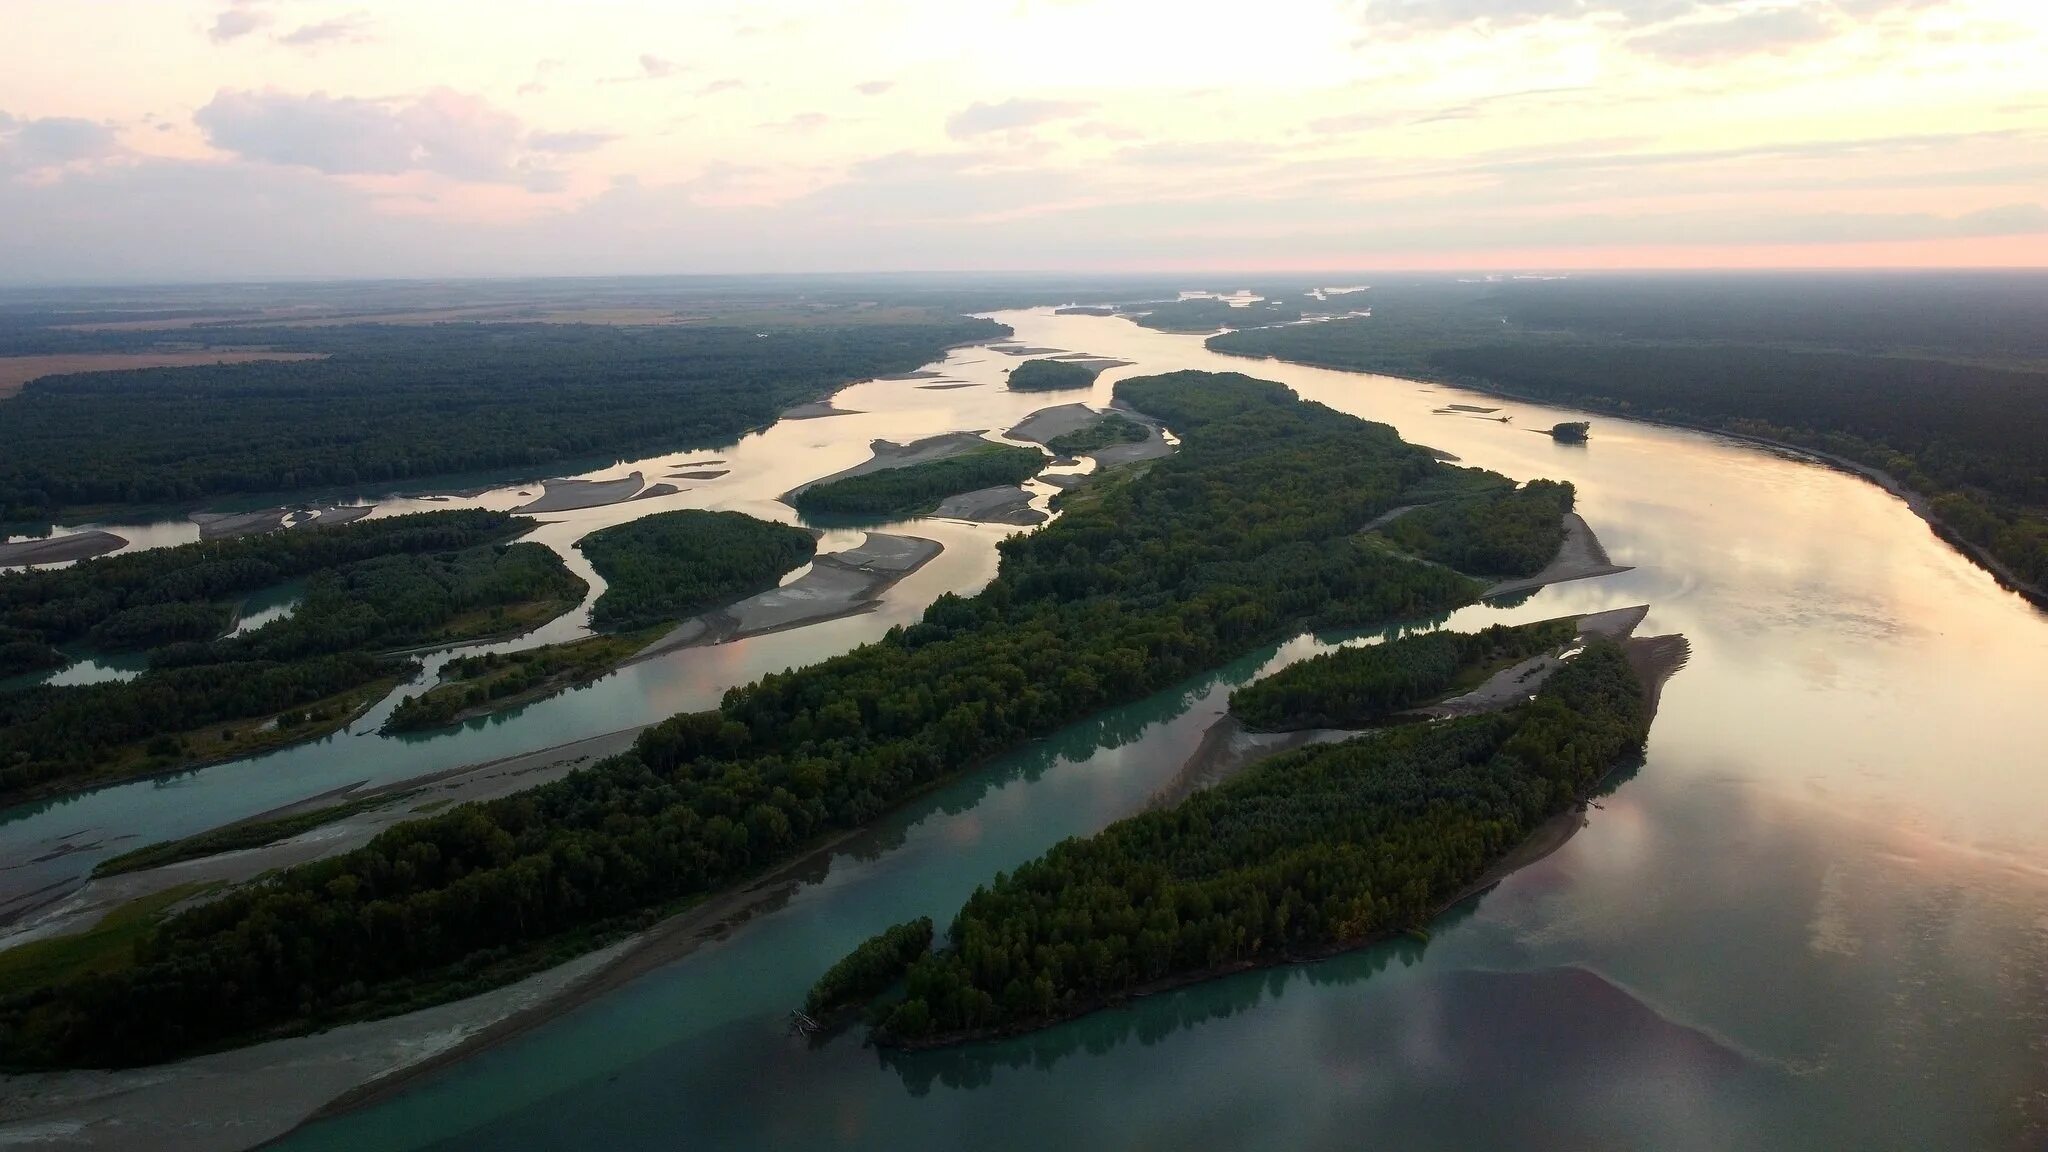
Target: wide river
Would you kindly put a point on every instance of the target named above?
(1817, 916)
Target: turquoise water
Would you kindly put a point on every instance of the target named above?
(1816, 915)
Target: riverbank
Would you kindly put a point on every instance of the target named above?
(1920, 504)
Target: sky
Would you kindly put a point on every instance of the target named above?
(238, 139)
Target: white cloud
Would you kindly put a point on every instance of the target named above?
(443, 132)
(1003, 116)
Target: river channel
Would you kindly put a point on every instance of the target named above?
(1815, 916)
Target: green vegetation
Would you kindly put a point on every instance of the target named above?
(1357, 687)
(1051, 375)
(393, 403)
(1315, 851)
(917, 489)
(104, 947)
(234, 837)
(674, 565)
(1112, 428)
(475, 685)
(1939, 380)
(56, 605)
(1206, 315)
(1508, 533)
(18, 656)
(430, 578)
(1251, 529)
(864, 972)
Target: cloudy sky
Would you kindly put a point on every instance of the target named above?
(195, 139)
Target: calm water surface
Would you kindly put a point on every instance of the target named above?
(1815, 916)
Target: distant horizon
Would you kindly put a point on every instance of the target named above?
(1250, 275)
(237, 141)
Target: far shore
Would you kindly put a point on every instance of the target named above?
(1918, 502)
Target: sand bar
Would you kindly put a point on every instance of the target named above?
(654, 490)
(1580, 557)
(1054, 422)
(59, 549)
(567, 495)
(887, 455)
(700, 474)
(1002, 504)
(817, 410)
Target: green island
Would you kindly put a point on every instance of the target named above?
(918, 489)
(371, 587)
(1310, 853)
(658, 570)
(672, 565)
(392, 402)
(1357, 687)
(1253, 529)
(1051, 376)
(1939, 387)
(1112, 428)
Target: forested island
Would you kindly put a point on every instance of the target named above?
(1252, 529)
(1051, 376)
(389, 403)
(1205, 314)
(1358, 687)
(371, 587)
(918, 489)
(1941, 383)
(1315, 851)
(657, 570)
(1111, 428)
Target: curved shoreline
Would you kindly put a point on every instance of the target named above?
(1920, 504)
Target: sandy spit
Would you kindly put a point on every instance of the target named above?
(568, 495)
(58, 549)
(1003, 504)
(1578, 558)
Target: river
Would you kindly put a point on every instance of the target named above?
(1815, 916)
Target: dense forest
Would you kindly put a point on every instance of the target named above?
(371, 587)
(1508, 533)
(676, 564)
(1941, 381)
(1112, 428)
(1051, 376)
(1357, 687)
(393, 403)
(864, 972)
(1250, 529)
(917, 489)
(1317, 850)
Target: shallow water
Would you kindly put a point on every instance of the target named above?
(1816, 916)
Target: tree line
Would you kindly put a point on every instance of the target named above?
(917, 489)
(1317, 850)
(1051, 376)
(1112, 428)
(394, 403)
(1514, 532)
(1357, 687)
(360, 604)
(1250, 529)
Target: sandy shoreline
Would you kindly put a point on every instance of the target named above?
(1002, 504)
(1580, 557)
